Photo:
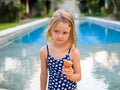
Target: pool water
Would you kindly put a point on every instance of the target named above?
(100, 59)
(90, 33)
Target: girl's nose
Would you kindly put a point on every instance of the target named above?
(60, 35)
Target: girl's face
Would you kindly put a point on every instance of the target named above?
(60, 33)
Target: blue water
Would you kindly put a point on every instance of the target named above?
(99, 51)
(35, 37)
(87, 33)
(94, 34)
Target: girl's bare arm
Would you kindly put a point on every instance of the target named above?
(43, 68)
(74, 74)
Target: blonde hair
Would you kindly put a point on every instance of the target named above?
(65, 17)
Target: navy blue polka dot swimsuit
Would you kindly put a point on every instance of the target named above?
(57, 80)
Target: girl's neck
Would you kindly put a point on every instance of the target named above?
(65, 45)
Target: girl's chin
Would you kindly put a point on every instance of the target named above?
(60, 42)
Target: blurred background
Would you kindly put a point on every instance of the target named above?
(16, 10)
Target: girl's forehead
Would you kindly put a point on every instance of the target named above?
(62, 24)
(62, 27)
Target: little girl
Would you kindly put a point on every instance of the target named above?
(61, 36)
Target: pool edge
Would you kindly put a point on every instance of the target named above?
(10, 34)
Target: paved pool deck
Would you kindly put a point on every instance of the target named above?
(37, 23)
(105, 22)
(12, 33)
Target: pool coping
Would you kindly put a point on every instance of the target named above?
(8, 35)
(105, 22)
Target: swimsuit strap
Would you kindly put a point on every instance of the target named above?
(47, 50)
(69, 51)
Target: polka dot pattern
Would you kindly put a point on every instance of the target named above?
(57, 80)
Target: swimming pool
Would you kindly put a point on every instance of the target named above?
(100, 58)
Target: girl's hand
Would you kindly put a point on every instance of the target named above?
(68, 71)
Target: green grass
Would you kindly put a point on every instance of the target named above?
(7, 25)
(4, 26)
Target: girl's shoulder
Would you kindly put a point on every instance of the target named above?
(43, 50)
(74, 52)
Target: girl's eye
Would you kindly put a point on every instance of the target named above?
(65, 32)
(56, 31)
